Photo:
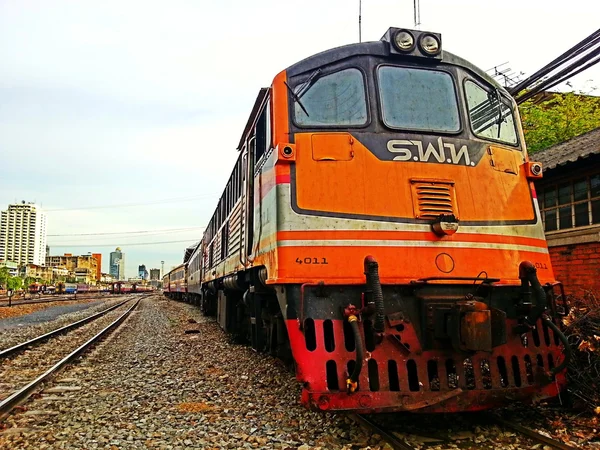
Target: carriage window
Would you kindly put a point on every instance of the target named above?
(418, 99)
(488, 120)
(335, 99)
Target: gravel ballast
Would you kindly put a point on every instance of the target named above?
(44, 315)
(20, 369)
(55, 319)
(151, 385)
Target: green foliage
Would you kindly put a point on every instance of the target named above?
(4, 276)
(559, 119)
(15, 283)
(28, 281)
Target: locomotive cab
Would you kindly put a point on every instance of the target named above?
(382, 225)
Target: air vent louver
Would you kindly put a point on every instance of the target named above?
(432, 198)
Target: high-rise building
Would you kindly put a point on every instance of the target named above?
(117, 264)
(23, 234)
(142, 272)
(154, 274)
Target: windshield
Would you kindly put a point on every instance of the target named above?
(418, 99)
(490, 118)
(335, 99)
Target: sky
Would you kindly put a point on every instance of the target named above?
(121, 118)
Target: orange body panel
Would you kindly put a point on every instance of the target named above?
(340, 260)
(362, 184)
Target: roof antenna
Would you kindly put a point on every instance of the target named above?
(417, 15)
(359, 20)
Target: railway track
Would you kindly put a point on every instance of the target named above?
(398, 443)
(21, 375)
(41, 338)
(50, 299)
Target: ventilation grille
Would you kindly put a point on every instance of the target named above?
(432, 198)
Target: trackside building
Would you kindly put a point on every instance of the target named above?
(569, 198)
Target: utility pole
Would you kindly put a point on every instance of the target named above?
(162, 265)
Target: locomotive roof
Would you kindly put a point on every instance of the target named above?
(376, 48)
(189, 251)
(382, 49)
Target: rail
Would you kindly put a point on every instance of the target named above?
(399, 444)
(22, 394)
(22, 346)
(542, 439)
(396, 443)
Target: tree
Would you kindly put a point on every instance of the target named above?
(29, 281)
(562, 117)
(4, 276)
(15, 283)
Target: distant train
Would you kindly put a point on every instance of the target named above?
(60, 288)
(121, 287)
(381, 229)
(175, 283)
(81, 288)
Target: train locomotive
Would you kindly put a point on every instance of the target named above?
(381, 230)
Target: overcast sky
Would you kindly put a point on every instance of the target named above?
(135, 103)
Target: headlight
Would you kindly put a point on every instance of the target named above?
(429, 44)
(404, 41)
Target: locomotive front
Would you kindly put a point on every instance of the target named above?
(409, 258)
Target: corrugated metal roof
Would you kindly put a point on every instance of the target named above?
(579, 147)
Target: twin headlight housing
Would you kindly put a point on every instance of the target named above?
(414, 42)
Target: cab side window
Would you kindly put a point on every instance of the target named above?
(263, 133)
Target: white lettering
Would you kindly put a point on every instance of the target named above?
(456, 157)
(404, 154)
(431, 150)
(402, 149)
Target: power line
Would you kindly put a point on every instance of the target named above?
(169, 230)
(575, 60)
(123, 239)
(128, 245)
(132, 205)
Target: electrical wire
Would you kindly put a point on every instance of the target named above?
(128, 245)
(124, 239)
(169, 230)
(133, 205)
(578, 58)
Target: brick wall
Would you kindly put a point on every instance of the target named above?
(577, 266)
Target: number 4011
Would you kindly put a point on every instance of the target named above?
(309, 260)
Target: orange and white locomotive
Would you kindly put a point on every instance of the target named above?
(381, 228)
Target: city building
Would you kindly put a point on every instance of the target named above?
(569, 199)
(13, 267)
(117, 264)
(84, 266)
(85, 275)
(98, 257)
(45, 273)
(142, 272)
(34, 271)
(23, 234)
(154, 274)
(107, 278)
